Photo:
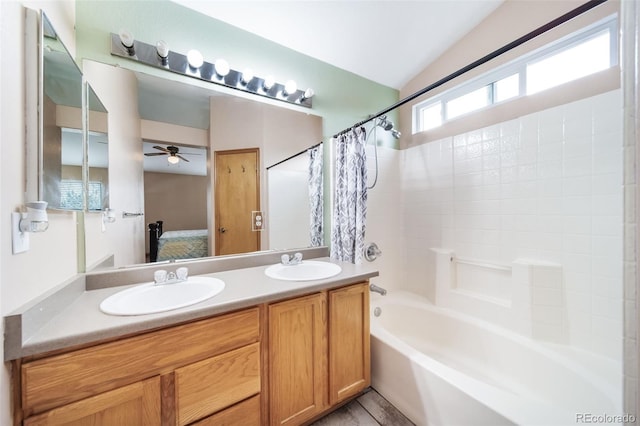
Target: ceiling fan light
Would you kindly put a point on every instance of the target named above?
(173, 159)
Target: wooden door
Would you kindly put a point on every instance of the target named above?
(237, 194)
(138, 403)
(297, 359)
(349, 353)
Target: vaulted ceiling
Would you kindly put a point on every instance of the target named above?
(387, 41)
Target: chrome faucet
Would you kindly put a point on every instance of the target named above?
(291, 260)
(377, 289)
(163, 277)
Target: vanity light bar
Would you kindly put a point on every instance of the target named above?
(179, 64)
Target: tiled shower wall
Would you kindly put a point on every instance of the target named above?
(384, 214)
(545, 187)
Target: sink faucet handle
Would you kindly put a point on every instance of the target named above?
(182, 273)
(297, 257)
(160, 276)
(285, 259)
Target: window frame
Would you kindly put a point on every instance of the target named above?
(517, 66)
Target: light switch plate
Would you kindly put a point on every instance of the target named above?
(19, 240)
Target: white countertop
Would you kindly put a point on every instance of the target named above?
(82, 322)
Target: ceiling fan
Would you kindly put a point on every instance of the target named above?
(171, 151)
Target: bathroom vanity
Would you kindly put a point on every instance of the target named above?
(261, 352)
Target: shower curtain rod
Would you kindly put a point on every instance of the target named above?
(509, 46)
(295, 155)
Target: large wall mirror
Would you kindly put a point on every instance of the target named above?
(205, 157)
(68, 136)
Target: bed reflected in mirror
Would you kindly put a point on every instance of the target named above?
(175, 201)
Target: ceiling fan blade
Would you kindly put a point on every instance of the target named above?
(149, 154)
(182, 158)
(161, 148)
(190, 153)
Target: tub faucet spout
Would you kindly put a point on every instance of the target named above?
(377, 289)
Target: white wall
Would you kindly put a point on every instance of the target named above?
(547, 187)
(117, 88)
(52, 256)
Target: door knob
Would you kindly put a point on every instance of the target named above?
(222, 230)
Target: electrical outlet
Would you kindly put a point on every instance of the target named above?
(19, 240)
(257, 220)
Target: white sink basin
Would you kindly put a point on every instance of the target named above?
(307, 270)
(150, 298)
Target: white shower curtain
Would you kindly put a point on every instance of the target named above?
(316, 194)
(350, 197)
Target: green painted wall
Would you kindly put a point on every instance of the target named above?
(342, 98)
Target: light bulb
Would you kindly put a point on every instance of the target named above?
(290, 87)
(195, 59)
(247, 76)
(269, 81)
(126, 38)
(222, 67)
(173, 159)
(162, 48)
(308, 94)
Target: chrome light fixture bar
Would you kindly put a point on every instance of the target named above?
(178, 63)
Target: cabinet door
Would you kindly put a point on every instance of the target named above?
(135, 404)
(349, 355)
(297, 359)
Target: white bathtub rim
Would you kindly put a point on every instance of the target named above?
(505, 403)
(499, 399)
(552, 350)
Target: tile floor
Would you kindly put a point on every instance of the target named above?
(370, 409)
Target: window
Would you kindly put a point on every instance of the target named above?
(569, 64)
(582, 53)
(71, 195)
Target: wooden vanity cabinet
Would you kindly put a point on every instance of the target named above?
(174, 376)
(318, 353)
(284, 363)
(297, 359)
(349, 347)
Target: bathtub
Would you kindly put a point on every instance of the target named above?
(440, 367)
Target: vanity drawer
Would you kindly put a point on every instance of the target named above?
(245, 413)
(138, 403)
(61, 379)
(216, 383)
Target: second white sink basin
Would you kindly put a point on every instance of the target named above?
(306, 270)
(150, 298)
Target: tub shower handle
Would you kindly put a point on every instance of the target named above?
(371, 252)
